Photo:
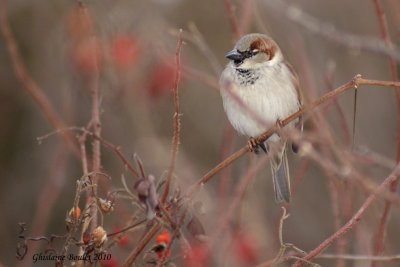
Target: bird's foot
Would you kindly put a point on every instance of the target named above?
(254, 146)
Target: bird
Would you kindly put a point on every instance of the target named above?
(259, 89)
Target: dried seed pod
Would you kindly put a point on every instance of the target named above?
(86, 237)
(99, 236)
(75, 213)
(106, 205)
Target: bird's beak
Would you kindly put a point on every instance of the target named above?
(234, 55)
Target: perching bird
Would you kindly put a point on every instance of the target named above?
(259, 89)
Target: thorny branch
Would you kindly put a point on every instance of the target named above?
(177, 121)
(96, 125)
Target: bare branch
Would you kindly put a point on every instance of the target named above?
(353, 221)
(329, 31)
(380, 235)
(177, 120)
(30, 86)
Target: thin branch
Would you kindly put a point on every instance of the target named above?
(329, 31)
(47, 199)
(240, 190)
(232, 18)
(127, 228)
(379, 237)
(142, 244)
(198, 39)
(247, 15)
(359, 257)
(30, 86)
(353, 221)
(177, 121)
(116, 149)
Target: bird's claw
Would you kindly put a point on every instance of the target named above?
(254, 146)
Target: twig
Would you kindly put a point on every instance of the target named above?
(329, 31)
(85, 171)
(198, 39)
(200, 76)
(127, 228)
(353, 221)
(29, 84)
(142, 244)
(238, 195)
(232, 18)
(328, 78)
(247, 15)
(93, 84)
(177, 121)
(379, 238)
(359, 257)
(116, 149)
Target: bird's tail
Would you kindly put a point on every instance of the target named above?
(280, 175)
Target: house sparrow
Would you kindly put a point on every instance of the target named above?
(259, 89)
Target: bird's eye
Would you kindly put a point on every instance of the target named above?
(254, 52)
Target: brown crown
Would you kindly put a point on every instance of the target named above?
(266, 46)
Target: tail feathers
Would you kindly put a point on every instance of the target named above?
(280, 175)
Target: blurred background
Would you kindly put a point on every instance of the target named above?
(134, 47)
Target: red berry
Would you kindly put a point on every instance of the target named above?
(124, 51)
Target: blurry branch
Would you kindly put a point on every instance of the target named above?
(247, 11)
(359, 257)
(116, 149)
(177, 121)
(197, 39)
(230, 8)
(392, 62)
(200, 76)
(142, 244)
(130, 227)
(328, 79)
(329, 31)
(226, 217)
(355, 82)
(353, 221)
(345, 170)
(394, 9)
(28, 83)
(95, 122)
(379, 237)
(47, 199)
